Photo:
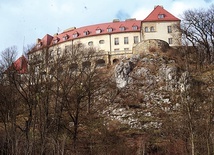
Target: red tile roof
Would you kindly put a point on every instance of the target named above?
(20, 65)
(91, 30)
(160, 14)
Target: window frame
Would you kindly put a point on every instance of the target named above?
(90, 43)
(169, 29)
(85, 33)
(170, 41)
(98, 31)
(136, 39)
(75, 35)
(116, 41)
(161, 16)
(109, 29)
(152, 29)
(122, 28)
(134, 27)
(101, 41)
(126, 40)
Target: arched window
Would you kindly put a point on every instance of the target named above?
(152, 29)
(90, 43)
(146, 29)
(101, 42)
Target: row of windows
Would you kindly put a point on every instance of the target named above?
(116, 41)
(98, 30)
(117, 49)
(126, 40)
(152, 29)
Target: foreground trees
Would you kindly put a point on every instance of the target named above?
(53, 105)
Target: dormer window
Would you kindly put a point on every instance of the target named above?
(75, 35)
(109, 29)
(161, 16)
(56, 40)
(134, 27)
(122, 28)
(98, 31)
(86, 32)
(65, 37)
(39, 44)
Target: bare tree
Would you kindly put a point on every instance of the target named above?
(198, 28)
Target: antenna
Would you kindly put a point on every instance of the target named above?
(23, 45)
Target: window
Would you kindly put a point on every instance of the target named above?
(160, 16)
(126, 49)
(116, 41)
(79, 45)
(170, 40)
(122, 28)
(169, 29)
(116, 49)
(152, 29)
(101, 42)
(98, 31)
(85, 33)
(109, 29)
(39, 45)
(146, 29)
(67, 49)
(90, 43)
(134, 27)
(65, 37)
(136, 40)
(126, 40)
(51, 54)
(55, 40)
(75, 35)
(58, 51)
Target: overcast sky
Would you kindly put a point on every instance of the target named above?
(23, 21)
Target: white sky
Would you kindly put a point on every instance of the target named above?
(23, 21)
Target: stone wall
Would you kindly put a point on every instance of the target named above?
(149, 46)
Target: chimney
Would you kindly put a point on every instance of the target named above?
(116, 20)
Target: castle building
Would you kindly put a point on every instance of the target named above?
(113, 39)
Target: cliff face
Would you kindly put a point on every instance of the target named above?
(149, 83)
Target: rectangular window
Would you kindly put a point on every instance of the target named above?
(85, 33)
(109, 29)
(116, 41)
(98, 31)
(75, 35)
(134, 27)
(116, 49)
(58, 51)
(126, 49)
(170, 40)
(126, 40)
(67, 49)
(169, 29)
(136, 40)
(122, 28)
(160, 16)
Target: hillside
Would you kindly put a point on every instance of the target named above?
(157, 102)
(160, 102)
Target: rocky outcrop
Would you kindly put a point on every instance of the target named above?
(148, 83)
